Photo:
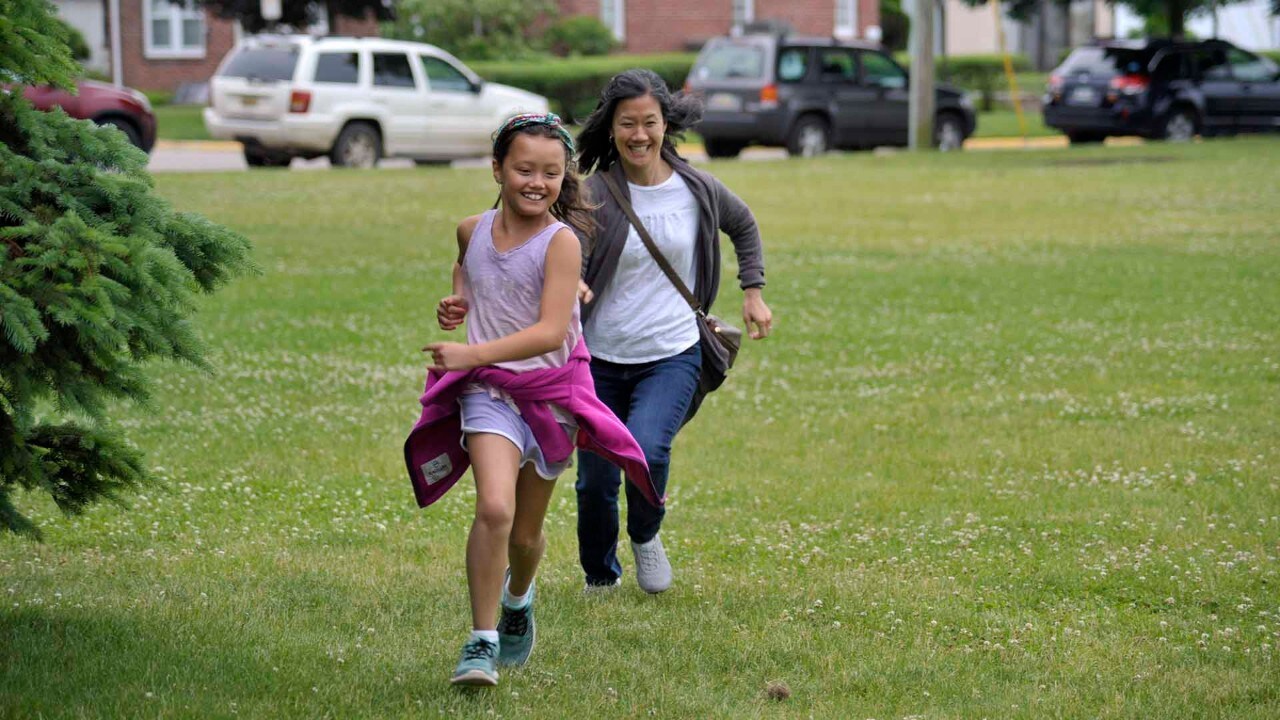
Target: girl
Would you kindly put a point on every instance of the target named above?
(649, 378)
(517, 396)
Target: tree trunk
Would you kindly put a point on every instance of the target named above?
(1177, 15)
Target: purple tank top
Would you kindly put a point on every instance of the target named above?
(504, 291)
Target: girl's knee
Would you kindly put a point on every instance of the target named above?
(495, 514)
(528, 544)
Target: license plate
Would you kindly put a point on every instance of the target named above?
(724, 101)
(248, 100)
(1083, 96)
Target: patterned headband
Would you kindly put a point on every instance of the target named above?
(524, 120)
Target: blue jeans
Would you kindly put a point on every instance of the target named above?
(651, 399)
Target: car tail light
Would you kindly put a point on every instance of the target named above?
(1055, 86)
(1130, 84)
(299, 101)
(769, 96)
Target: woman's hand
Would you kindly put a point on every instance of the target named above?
(584, 293)
(451, 311)
(446, 356)
(756, 315)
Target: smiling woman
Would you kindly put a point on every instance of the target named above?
(651, 295)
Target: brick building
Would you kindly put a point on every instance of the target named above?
(644, 26)
(161, 45)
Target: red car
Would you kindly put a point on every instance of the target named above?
(125, 108)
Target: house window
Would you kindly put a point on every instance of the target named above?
(172, 30)
(846, 19)
(744, 11)
(613, 13)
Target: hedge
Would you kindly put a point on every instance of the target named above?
(573, 85)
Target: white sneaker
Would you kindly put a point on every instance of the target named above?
(653, 572)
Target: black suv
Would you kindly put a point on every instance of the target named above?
(811, 95)
(1162, 89)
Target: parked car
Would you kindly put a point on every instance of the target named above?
(124, 108)
(1162, 89)
(356, 100)
(810, 95)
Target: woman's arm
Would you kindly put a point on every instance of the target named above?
(737, 221)
(559, 293)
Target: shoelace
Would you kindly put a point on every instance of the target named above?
(647, 555)
(479, 649)
(514, 622)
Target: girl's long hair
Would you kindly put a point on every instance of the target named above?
(680, 111)
(573, 207)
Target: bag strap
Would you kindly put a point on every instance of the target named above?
(658, 257)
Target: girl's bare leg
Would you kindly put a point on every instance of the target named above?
(494, 464)
(527, 544)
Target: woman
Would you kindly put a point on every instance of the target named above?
(642, 334)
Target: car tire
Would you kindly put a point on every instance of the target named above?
(810, 137)
(1179, 125)
(948, 132)
(129, 129)
(359, 145)
(1085, 138)
(722, 148)
(260, 159)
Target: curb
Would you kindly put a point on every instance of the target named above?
(987, 143)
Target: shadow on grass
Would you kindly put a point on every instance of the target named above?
(83, 663)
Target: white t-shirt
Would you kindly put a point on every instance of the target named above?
(641, 317)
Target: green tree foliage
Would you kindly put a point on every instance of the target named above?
(895, 26)
(297, 14)
(473, 29)
(1174, 12)
(97, 276)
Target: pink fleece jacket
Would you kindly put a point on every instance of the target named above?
(433, 451)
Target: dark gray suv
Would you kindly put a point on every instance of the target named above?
(811, 95)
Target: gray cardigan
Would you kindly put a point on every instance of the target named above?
(720, 210)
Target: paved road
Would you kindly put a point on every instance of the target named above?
(213, 156)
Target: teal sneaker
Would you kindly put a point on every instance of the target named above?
(516, 633)
(478, 665)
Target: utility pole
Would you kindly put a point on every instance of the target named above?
(921, 107)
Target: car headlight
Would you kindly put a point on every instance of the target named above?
(142, 99)
(966, 101)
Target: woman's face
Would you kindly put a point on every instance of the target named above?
(638, 129)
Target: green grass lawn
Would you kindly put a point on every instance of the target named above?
(1012, 452)
(1004, 123)
(180, 122)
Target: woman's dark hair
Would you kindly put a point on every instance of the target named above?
(573, 207)
(680, 111)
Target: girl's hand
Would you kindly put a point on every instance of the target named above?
(756, 315)
(446, 356)
(584, 293)
(451, 311)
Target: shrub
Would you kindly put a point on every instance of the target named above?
(580, 35)
(573, 85)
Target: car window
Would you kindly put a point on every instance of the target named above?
(879, 70)
(1249, 68)
(836, 65)
(1104, 62)
(335, 67)
(274, 63)
(793, 64)
(1174, 66)
(443, 76)
(731, 60)
(1213, 65)
(392, 70)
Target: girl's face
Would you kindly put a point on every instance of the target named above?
(638, 129)
(531, 174)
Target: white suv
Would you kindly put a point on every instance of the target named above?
(356, 100)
